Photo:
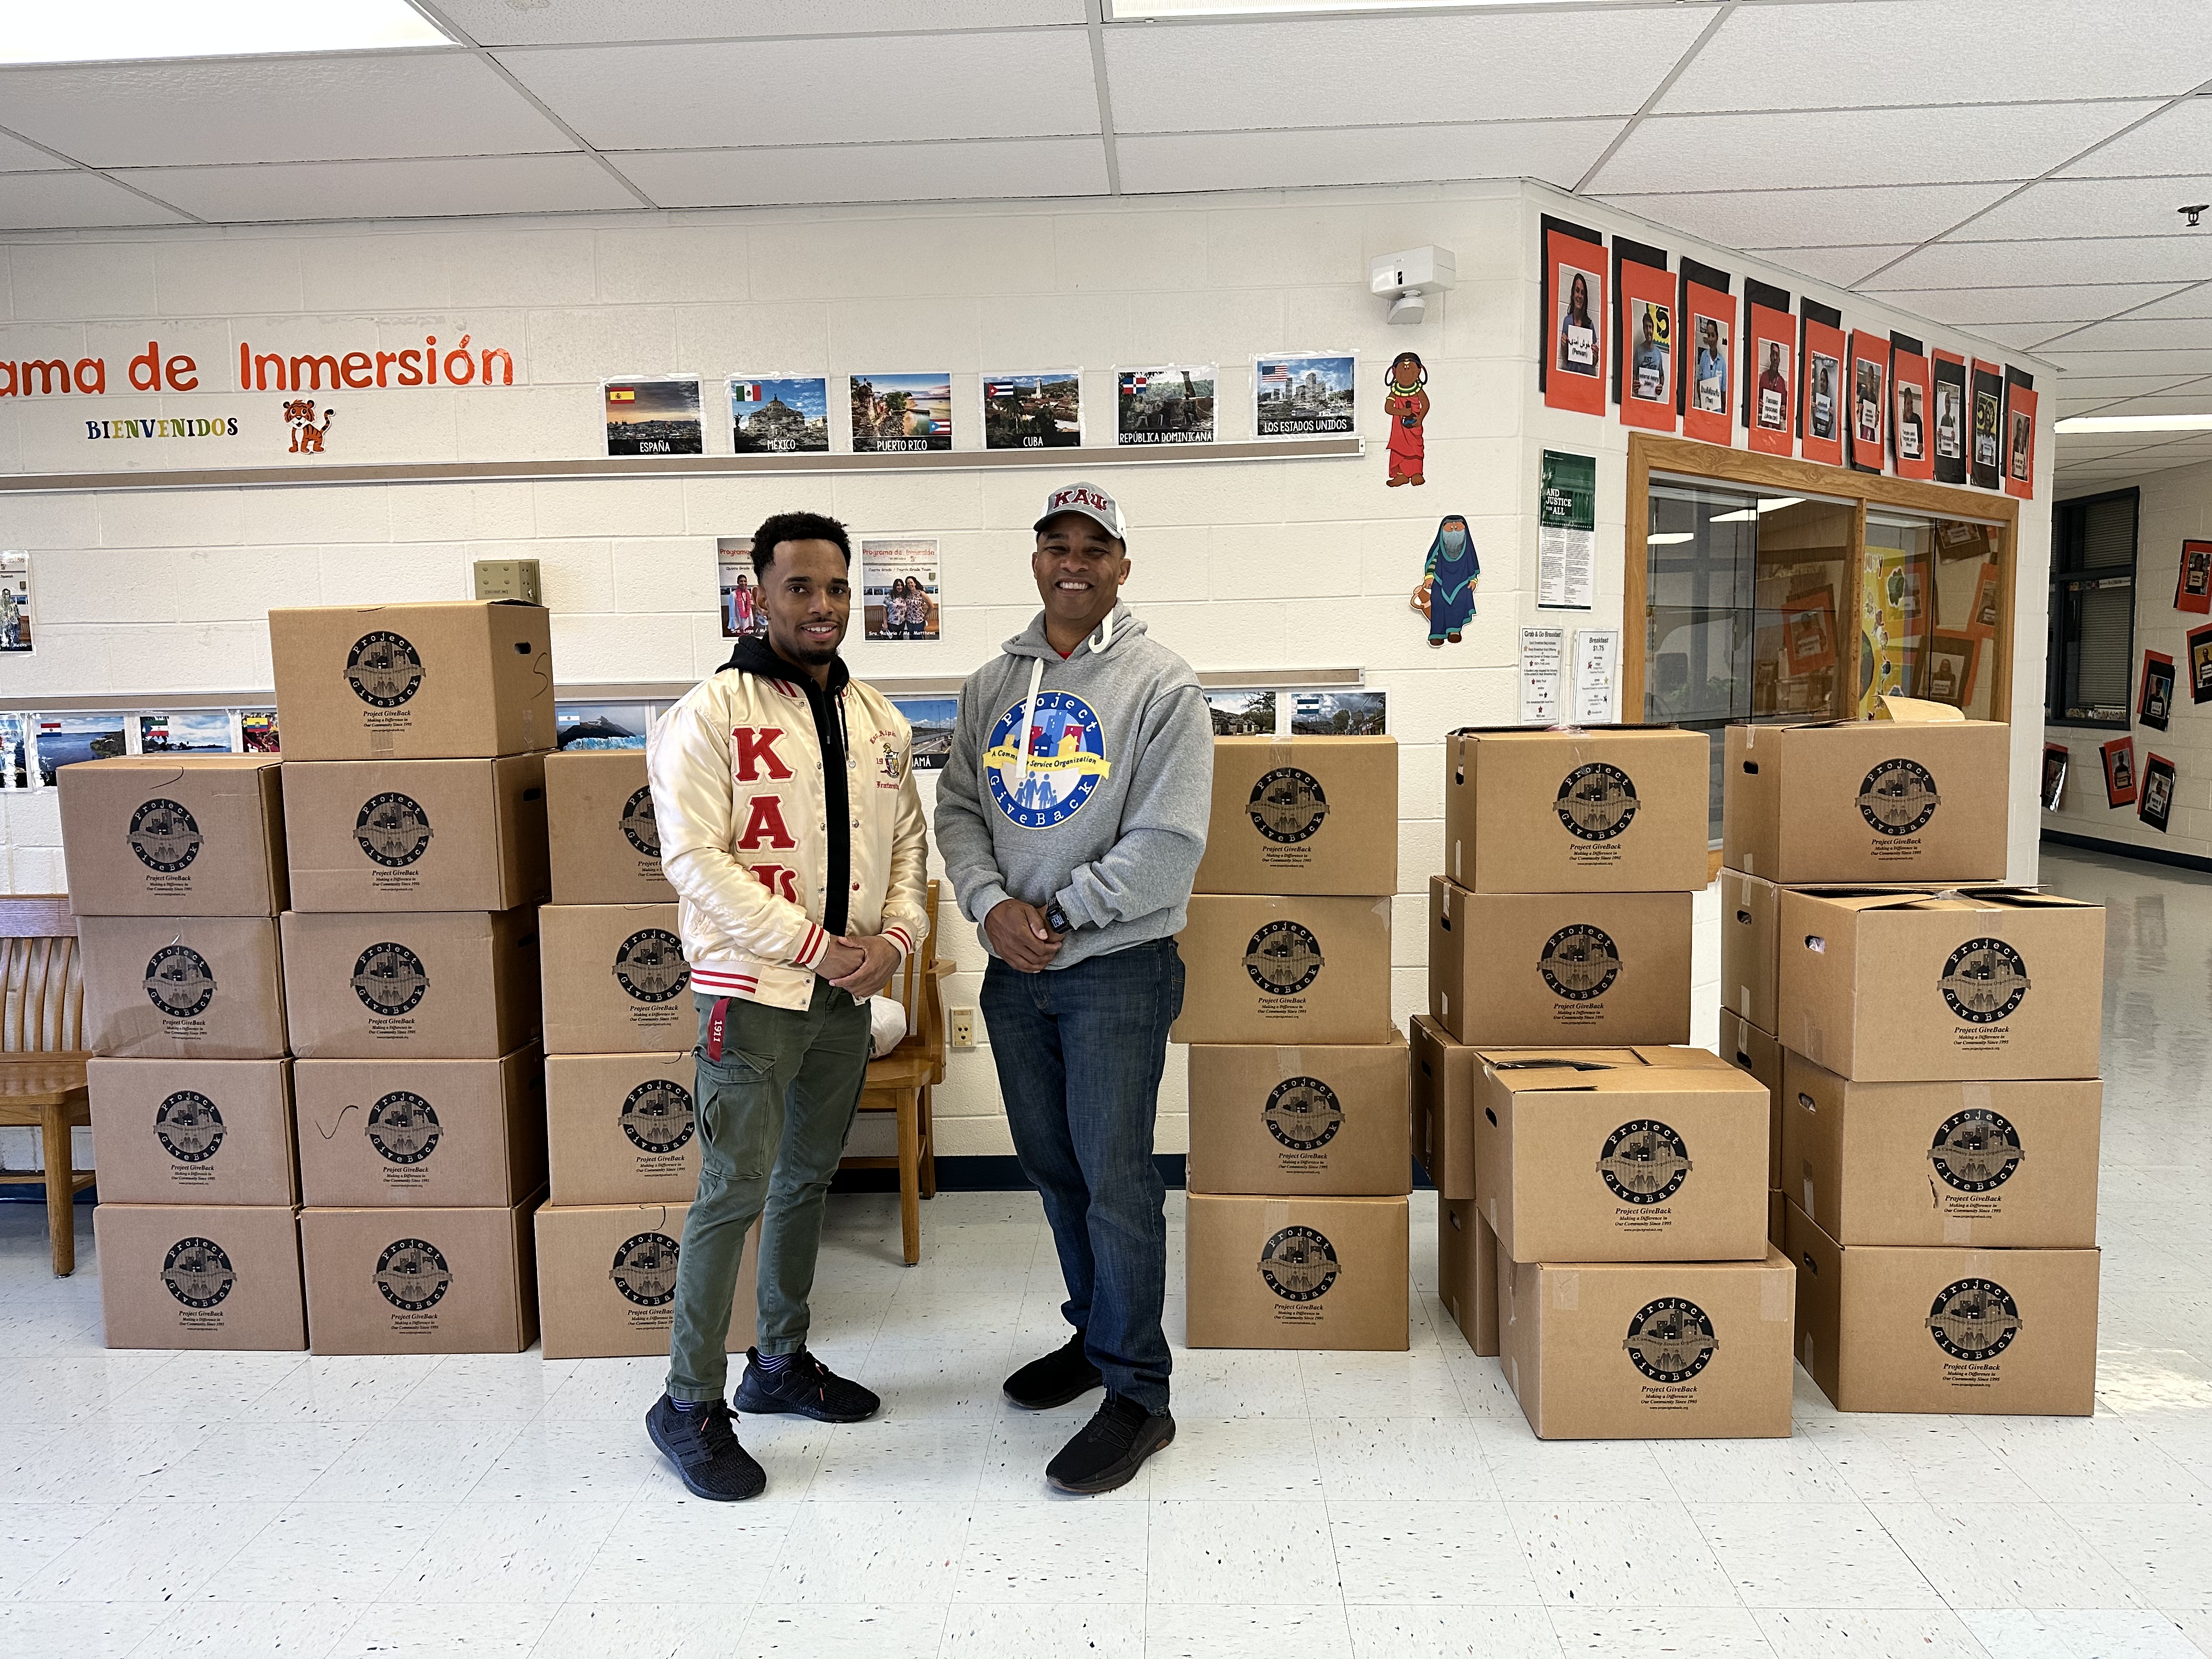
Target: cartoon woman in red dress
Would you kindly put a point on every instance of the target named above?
(1406, 404)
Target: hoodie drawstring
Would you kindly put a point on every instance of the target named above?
(1101, 638)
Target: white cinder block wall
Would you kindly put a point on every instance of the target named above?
(1268, 565)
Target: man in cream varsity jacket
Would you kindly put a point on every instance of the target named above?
(793, 834)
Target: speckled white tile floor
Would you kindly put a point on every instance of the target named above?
(1314, 1507)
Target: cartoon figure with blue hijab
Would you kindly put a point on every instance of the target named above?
(1446, 595)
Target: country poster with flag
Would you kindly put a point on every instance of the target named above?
(779, 415)
(1303, 394)
(654, 416)
(895, 414)
(1039, 410)
(1172, 403)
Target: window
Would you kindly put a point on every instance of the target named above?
(2093, 609)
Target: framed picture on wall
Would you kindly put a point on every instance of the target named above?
(2156, 807)
(1771, 362)
(2054, 758)
(2019, 438)
(1821, 398)
(1948, 374)
(1574, 298)
(2119, 756)
(1987, 452)
(2155, 701)
(1912, 428)
(1869, 411)
(2192, 583)
(1808, 632)
(1708, 354)
(1953, 660)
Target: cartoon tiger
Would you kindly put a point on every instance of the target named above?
(306, 436)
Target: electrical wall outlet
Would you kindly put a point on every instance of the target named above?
(964, 1028)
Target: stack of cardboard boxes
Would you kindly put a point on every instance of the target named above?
(621, 1119)
(415, 819)
(1297, 1172)
(176, 872)
(1938, 1057)
(1602, 1215)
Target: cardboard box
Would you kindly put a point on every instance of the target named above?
(1443, 1079)
(1649, 1350)
(1601, 809)
(1466, 1272)
(1302, 815)
(625, 987)
(1888, 987)
(200, 1276)
(182, 988)
(421, 1281)
(452, 1134)
(1777, 1230)
(173, 835)
(208, 1132)
(606, 1279)
(1297, 1272)
(1867, 800)
(606, 846)
(1621, 1155)
(1285, 970)
(1750, 958)
(1323, 1119)
(1527, 969)
(444, 835)
(1954, 1331)
(1744, 1046)
(621, 1129)
(415, 985)
(413, 682)
(1994, 1166)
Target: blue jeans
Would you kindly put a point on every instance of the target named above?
(1079, 1052)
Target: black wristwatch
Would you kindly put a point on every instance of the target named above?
(1056, 919)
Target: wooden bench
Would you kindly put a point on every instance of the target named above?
(901, 1080)
(42, 1052)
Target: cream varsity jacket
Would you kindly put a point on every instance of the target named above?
(737, 797)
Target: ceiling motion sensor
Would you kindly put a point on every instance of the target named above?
(2191, 213)
(1410, 277)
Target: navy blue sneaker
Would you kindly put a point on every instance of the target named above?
(803, 1388)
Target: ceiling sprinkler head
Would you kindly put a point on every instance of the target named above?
(2191, 213)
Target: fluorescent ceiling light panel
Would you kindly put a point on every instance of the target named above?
(1145, 11)
(2136, 423)
(1750, 514)
(1668, 538)
(126, 30)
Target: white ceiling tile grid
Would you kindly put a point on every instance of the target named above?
(1831, 138)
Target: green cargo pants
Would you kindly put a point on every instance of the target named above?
(774, 1113)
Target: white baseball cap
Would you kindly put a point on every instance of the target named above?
(1091, 502)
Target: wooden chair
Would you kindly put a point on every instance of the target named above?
(901, 1080)
(41, 1052)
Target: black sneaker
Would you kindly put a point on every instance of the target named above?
(806, 1388)
(1054, 1380)
(1111, 1448)
(704, 1448)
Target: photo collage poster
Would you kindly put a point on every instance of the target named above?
(743, 614)
(898, 587)
(15, 602)
(1267, 711)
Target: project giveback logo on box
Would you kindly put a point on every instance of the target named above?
(390, 980)
(650, 966)
(1299, 1265)
(393, 832)
(180, 984)
(404, 1129)
(199, 1274)
(1671, 1340)
(190, 1129)
(385, 671)
(166, 838)
(1897, 799)
(1973, 1321)
(644, 1273)
(1579, 963)
(1283, 958)
(1596, 803)
(658, 1117)
(1305, 1114)
(1643, 1163)
(413, 1276)
(1975, 1151)
(1287, 807)
(639, 827)
(1984, 982)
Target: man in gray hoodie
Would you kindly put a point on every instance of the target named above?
(1072, 814)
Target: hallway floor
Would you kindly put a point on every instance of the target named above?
(1389, 1506)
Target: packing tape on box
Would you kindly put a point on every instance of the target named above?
(1777, 1298)
(1279, 753)
(1290, 1063)
(380, 744)
(1958, 1230)
(1975, 1097)
(1566, 1292)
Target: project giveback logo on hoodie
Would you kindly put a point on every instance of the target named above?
(1045, 781)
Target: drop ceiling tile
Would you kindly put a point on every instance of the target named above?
(2175, 140)
(180, 113)
(869, 172)
(2164, 402)
(516, 22)
(428, 187)
(1975, 307)
(1557, 151)
(16, 156)
(64, 201)
(2138, 334)
(2195, 300)
(1846, 267)
(1217, 77)
(2017, 337)
(2109, 260)
(1806, 218)
(1926, 51)
(2181, 362)
(1970, 142)
(2095, 207)
(2106, 388)
(1032, 84)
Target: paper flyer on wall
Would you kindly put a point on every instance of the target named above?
(653, 417)
(1574, 295)
(15, 601)
(2156, 807)
(779, 415)
(188, 731)
(898, 413)
(2155, 701)
(1170, 404)
(744, 616)
(1242, 713)
(2200, 665)
(1543, 675)
(1597, 657)
(17, 741)
(2119, 758)
(257, 732)
(1340, 714)
(931, 719)
(2054, 758)
(2192, 583)
(1647, 343)
(1567, 533)
(898, 587)
(1038, 410)
(1305, 394)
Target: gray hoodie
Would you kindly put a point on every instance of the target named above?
(1105, 811)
